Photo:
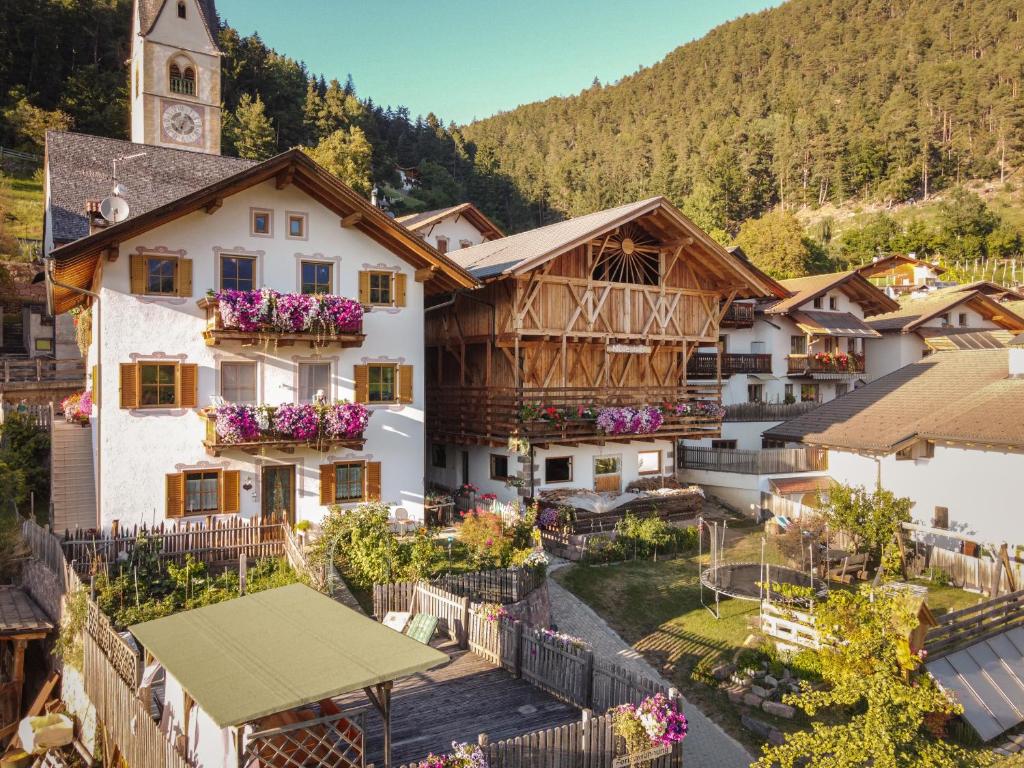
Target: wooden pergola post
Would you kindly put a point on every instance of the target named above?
(380, 696)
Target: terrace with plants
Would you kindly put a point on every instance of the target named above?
(289, 426)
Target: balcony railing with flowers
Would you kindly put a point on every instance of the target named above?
(284, 318)
(826, 363)
(251, 428)
(540, 416)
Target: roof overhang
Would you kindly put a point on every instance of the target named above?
(75, 264)
(984, 305)
(857, 287)
(470, 212)
(884, 262)
(841, 324)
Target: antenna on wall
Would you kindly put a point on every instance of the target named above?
(114, 208)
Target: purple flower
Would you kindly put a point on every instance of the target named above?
(246, 310)
(340, 314)
(630, 421)
(297, 421)
(295, 312)
(345, 420)
(237, 423)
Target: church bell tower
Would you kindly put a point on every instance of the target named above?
(175, 75)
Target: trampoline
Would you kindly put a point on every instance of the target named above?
(749, 581)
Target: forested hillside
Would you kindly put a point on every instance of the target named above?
(815, 104)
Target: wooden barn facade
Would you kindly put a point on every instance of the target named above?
(573, 319)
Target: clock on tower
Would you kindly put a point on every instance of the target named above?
(181, 123)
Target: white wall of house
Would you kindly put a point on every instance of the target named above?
(891, 352)
(740, 491)
(456, 229)
(140, 447)
(980, 488)
(208, 745)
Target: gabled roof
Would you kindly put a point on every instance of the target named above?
(149, 12)
(915, 312)
(520, 253)
(964, 396)
(948, 339)
(273, 651)
(80, 168)
(75, 262)
(833, 324)
(887, 262)
(995, 290)
(476, 217)
(852, 283)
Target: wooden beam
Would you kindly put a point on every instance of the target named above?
(113, 251)
(425, 273)
(215, 205)
(285, 177)
(352, 219)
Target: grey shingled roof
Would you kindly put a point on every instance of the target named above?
(962, 396)
(496, 256)
(80, 169)
(149, 11)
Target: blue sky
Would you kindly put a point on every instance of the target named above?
(463, 59)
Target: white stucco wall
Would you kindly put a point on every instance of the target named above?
(455, 228)
(140, 447)
(738, 490)
(980, 488)
(208, 745)
(891, 352)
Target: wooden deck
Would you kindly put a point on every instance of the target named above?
(466, 697)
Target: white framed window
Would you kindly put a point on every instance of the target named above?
(649, 462)
(314, 378)
(297, 225)
(261, 222)
(238, 382)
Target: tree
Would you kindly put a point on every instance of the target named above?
(888, 708)
(776, 244)
(1003, 241)
(965, 224)
(873, 518)
(30, 123)
(346, 154)
(249, 130)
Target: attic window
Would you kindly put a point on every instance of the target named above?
(182, 13)
(628, 255)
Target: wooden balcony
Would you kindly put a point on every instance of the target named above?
(831, 367)
(490, 415)
(738, 315)
(215, 446)
(215, 333)
(41, 369)
(703, 365)
(765, 462)
(767, 411)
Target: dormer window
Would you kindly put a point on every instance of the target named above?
(182, 80)
(818, 302)
(182, 12)
(833, 303)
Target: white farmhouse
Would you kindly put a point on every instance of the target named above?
(165, 358)
(946, 431)
(452, 228)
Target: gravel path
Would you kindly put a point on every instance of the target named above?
(706, 745)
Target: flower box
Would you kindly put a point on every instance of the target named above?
(251, 428)
(266, 315)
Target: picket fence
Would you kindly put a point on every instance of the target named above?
(501, 585)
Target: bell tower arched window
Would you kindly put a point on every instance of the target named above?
(182, 80)
(182, 13)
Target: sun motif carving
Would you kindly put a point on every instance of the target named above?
(630, 255)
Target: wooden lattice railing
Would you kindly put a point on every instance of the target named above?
(330, 741)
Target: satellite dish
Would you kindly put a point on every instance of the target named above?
(114, 209)
(119, 190)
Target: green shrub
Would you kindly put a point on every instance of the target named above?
(489, 543)
(603, 549)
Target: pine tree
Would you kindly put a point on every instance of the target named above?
(249, 130)
(346, 154)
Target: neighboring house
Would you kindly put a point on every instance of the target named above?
(591, 313)
(453, 228)
(899, 273)
(158, 358)
(943, 320)
(27, 329)
(946, 431)
(1000, 293)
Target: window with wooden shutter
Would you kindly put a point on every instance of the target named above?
(184, 277)
(326, 484)
(230, 494)
(400, 283)
(361, 376)
(373, 481)
(176, 495)
(405, 383)
(364, 287)
(94, 380)
(188, 385)
(137, 270)
(129, 385)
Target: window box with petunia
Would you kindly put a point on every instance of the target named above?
(252, 427)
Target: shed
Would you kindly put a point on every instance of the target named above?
(249, 665)
(21, 620)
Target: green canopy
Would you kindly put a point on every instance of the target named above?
(272, 651)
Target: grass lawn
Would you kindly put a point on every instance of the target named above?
(21, 202)
(656, 607)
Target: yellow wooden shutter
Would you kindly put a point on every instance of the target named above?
(373, 481)
(364, 287)
(399, 290)
(405, 383)
(176, 495)
(137, 270)
(94, 380)
(327, 484)
(129, 385)
(361, 376)
(188, 383)
(184, 277)
(229, 491)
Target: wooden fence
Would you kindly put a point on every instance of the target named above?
(502, 585)
(769, 461)
(967, 626)
(42, 369)
(38, 414)
(209, 540)
(562, 668)
(767, 411)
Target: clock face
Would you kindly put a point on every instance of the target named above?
(182, 123)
